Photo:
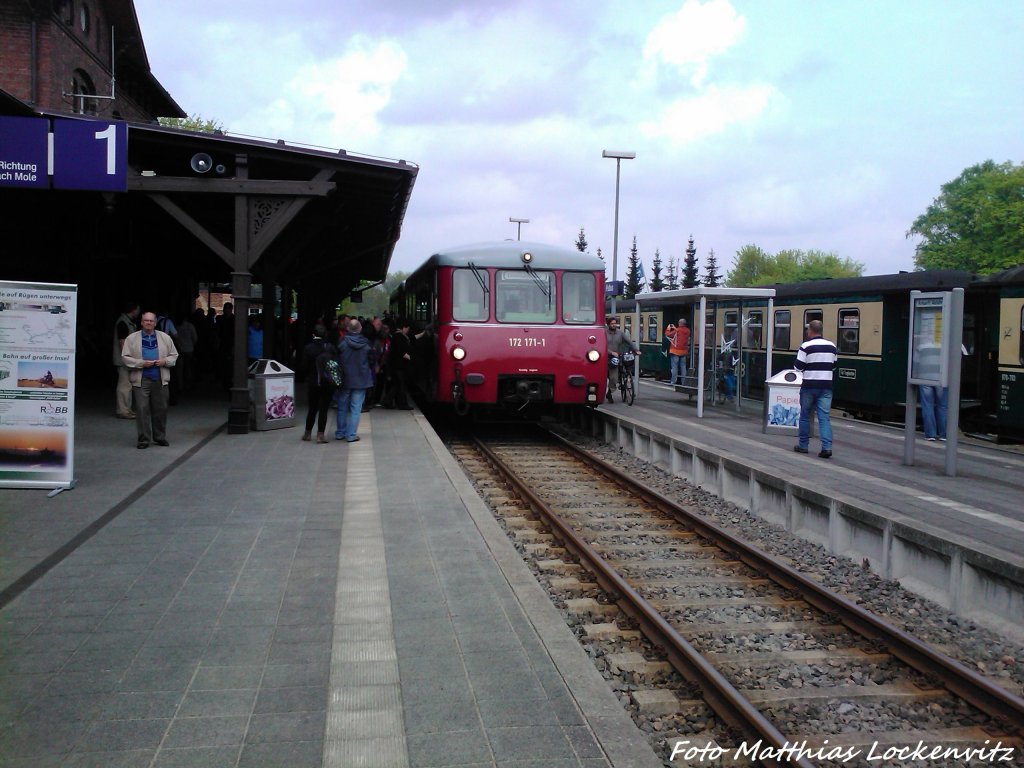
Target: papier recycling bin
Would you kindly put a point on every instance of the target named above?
(271, 395)
(782, 402)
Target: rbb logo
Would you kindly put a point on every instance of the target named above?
(53, 409)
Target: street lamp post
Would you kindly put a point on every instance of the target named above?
(519, 225)
(619, 157)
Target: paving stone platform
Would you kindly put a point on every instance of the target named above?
(255, 600)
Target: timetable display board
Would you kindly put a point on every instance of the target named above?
(37, 384)
(929, 337)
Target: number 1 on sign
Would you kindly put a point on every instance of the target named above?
(110, 134)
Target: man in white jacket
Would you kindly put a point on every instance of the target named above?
(149, 355)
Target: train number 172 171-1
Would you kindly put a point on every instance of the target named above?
(525, 341)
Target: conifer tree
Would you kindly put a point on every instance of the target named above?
(671, 277)
(634, 279)
(657, 284)
(690, 276)
(581, 242)
(711, 276)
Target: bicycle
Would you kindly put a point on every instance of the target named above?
(627, 388)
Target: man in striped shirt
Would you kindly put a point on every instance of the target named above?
(816, 360)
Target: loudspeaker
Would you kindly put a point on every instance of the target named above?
(201, 162)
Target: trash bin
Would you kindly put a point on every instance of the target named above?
(782, 402)
(271, 395)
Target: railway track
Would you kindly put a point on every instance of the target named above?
(792, 673)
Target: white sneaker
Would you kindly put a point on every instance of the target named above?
(930, 439)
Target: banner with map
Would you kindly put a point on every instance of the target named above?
(37, 384)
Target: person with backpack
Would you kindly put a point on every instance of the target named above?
(320, 385)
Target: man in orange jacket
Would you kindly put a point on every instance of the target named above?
(678, 350)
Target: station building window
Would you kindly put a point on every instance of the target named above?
(849, 331)
(780, 335)
(578, 302)
(469, 295)
(65, 10)
(82, 89)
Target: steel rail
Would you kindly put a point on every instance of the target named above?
(727, 702)
(998, 703)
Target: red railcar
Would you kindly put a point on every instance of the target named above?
(509, 324)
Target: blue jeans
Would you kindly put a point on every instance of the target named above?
(933, 410)
(820, 400)
(677, 368)
(350, 407)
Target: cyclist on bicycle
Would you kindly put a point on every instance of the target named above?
(617, 341)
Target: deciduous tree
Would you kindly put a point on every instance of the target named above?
(977, 222)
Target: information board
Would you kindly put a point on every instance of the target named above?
(928, 336)
(37, 384)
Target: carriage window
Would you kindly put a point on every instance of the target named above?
(729, 334)
(578, 304)
(422, 310)
(1020, 356)
(709, 330)
(849, 331)
(469, 299)
(524, 297)
(627, 325)
(754, 324)
(652, 327)
(809, 315)
(780, 338)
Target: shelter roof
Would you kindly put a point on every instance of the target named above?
(687, 295)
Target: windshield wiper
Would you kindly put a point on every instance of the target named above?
(540, 283)
(479, 278)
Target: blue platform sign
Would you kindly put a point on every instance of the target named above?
(90, 154)
(23, 143)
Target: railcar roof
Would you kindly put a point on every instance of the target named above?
(509, 253)
(1011, 276)
(926, 280)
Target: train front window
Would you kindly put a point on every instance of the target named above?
(523, 296)
(780, 336)
(469, 295)
(849, 331)
(578, 302)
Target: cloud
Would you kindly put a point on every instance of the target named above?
(710, 112)
(334, 102)
(695, 33)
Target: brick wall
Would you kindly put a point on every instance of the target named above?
(61, 49)
(15, 51)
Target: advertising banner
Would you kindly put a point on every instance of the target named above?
(37, 384)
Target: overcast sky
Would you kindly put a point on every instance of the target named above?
(803, 124)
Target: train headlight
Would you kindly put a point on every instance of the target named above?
(593, 355)
(527, 257)
(458, 353)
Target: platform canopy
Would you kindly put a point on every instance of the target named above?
(700, 295)
(207, 208)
